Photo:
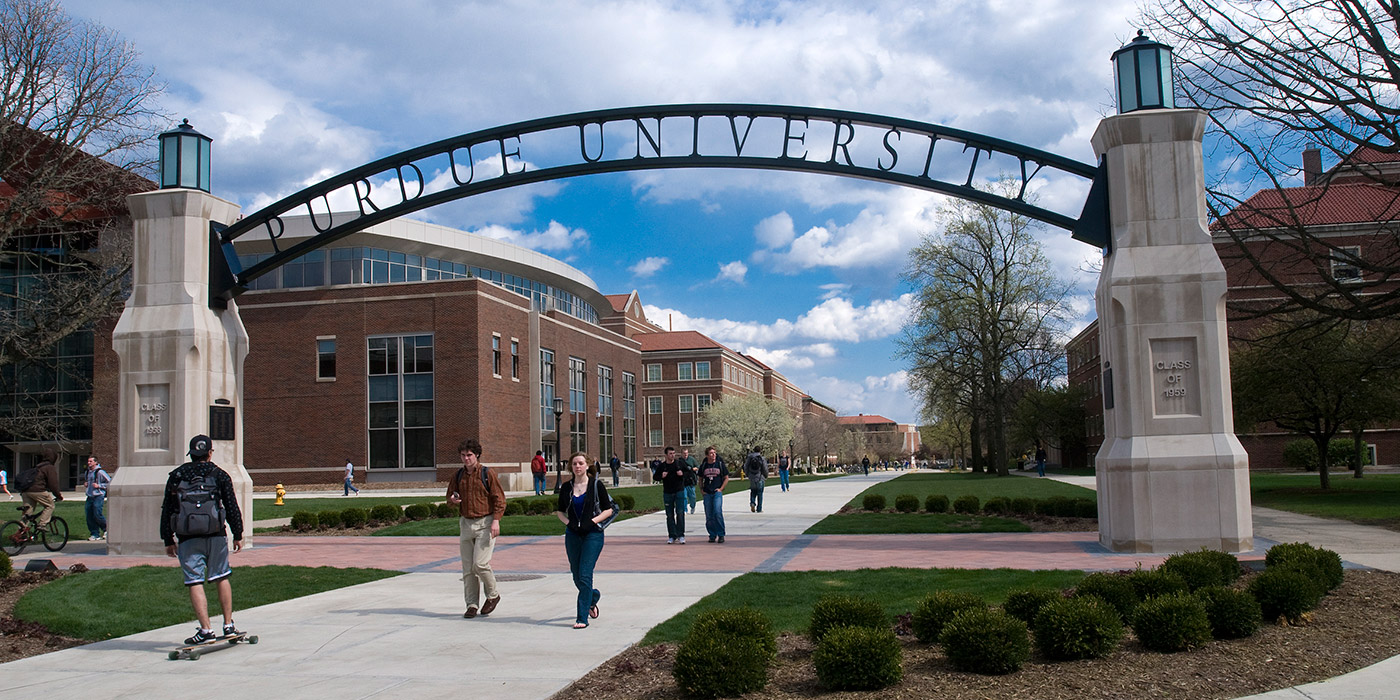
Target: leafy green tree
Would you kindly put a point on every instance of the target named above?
(1053, 416)
(736, 423)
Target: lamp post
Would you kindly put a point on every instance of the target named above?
(184, 158)
(790, 455)
(1142, 70)
(558, 447)
(825, 458)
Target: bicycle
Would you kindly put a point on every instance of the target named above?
(15, 535)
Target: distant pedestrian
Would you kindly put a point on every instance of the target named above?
(756, 469)
(350, 478)
(583, 504)
(97, 480)
(671, 473)
(615, 465)
(481, 503)
(714, 476)
(1040, 459)
(5, 484)
(783, 479)
(538, 469)
(689, 478)
(865, 465)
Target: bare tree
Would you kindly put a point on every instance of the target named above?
(1276, 77)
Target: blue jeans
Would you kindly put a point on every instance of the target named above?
(539, 484)
(675, 513)
(93, 510)
(1040, 467)
(350, 486)
(783, 478)
(756, 497)
(583, 551)
(714, 514)
(690, 497)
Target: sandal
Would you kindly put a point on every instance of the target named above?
(593, 611)
(580, 625)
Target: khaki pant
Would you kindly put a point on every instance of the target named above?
(42, 499)
(476, 545)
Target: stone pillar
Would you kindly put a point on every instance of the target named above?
(1172, 476)
(178, 357)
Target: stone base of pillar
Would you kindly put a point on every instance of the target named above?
(134, 500)
(1174, 493)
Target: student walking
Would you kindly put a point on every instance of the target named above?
(671, 473)
(689, 478)
(583, 504)
(199, 501)
(481, 503)
(1040, 459)
(714, 476)
(538, 469)
(350, 478)
(756, 469)
(783, 479)
(97, 480)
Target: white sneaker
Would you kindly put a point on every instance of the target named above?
(680, 541)
(670, 540)
(93, 539)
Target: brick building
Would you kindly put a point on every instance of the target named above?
(884, 438)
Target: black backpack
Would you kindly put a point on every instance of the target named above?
(200, 513)
(25, 481)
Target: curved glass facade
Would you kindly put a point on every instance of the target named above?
(365, 265)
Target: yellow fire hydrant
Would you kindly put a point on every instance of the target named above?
(280, 493)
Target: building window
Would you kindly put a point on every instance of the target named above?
(1344, 264)
(702, 370)
(578, 404)
(547, 391)
(687, 436)
(654, 373)
(654, 437)
(325, 359)
(687, 403)
(496, 356)
(702, 402)
(654, 405)
(401, 402)
(685, 371)
(514, 359)
(629, 417)
(605, 412)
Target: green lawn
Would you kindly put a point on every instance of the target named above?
(912, 523)
(1373, 500)
(116, 602)
(983, 486)
(263, 509)
(788, 596)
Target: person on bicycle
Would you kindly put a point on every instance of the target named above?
(44, 491)
(203, 554)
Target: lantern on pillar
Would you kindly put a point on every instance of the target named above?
(1142, 71)
(184, 158)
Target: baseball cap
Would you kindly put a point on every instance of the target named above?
(200, 446)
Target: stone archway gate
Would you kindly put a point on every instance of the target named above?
(1169, 437)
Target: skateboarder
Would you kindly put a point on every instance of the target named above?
(199, 500)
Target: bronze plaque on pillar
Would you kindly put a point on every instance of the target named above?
(221, 419)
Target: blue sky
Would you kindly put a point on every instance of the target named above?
(800, 270)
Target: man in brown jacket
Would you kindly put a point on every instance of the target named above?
(481, 502)
(45, 487)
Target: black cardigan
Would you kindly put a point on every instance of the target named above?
(590, 508)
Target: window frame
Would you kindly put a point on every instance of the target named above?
(656, 369)
(321, 354)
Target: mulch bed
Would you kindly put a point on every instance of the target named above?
(19, 639)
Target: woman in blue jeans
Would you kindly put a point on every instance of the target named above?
(580, 510)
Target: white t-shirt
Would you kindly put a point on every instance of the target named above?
(349, 470)
(4, 478)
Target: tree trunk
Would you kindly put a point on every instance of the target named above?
(1358, 466)
(998, 446)
(975, 437)
(1322, 465)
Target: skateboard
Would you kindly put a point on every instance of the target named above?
(192, 651)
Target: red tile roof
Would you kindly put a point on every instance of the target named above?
(675, 340)
(618, 301)
(1318, 205)
(863, 419)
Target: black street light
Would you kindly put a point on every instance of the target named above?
(1142, 70)
(825, 458)
(558, 447)
(184, 158)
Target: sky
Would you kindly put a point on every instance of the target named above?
(800, 270)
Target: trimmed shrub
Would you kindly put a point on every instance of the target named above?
(1172, 622)
(1114, 589)
(1203, 568)
(1026, 603)
(329, 519)
(873, 502)
(516, 507)
(541, 506)
(6, 566)
(1324, 565)
(968, 504)
(1233, 614)
(1058, 506)
(385, 513)
(906, 503)
(625, 501)
(1285, 593)
(304, 520)
(1077, 628)
(936, 503)
(741, 642)
(937, 610)
(856, 658)
(980, 640)
(999, 505)
(1023, 506)
(354, 517)
(446, 510)
(1150, 583)
(1341, 454)
(419, 511)
(839, 610)
(1086, 508)
(1300, 454)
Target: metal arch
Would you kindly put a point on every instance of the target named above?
(651, 152)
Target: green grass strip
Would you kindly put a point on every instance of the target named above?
(983, 486)
(912, 523)
(1372, 500)
(787, 597)
(117, 602)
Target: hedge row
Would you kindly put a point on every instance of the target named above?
(386, 514)
(971, 505)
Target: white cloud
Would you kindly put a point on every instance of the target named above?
(775, 231)
(887, 395)
(646, 267)
(732, 272)
(835, 289)
(554, 237)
